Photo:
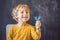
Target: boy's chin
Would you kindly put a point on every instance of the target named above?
(25, 20)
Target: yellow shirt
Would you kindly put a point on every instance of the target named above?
(22, 33)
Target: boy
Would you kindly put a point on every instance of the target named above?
(22, 30)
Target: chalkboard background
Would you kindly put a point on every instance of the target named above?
(48, 10)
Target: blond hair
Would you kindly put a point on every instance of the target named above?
(14, 11)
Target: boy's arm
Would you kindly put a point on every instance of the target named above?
(36, 35)
(36, 32)
(38, 28)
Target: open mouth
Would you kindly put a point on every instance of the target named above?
(24, 17)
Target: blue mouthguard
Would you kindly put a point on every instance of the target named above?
(37, 18)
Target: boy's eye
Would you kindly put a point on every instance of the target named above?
(22, 12)
(26, 12)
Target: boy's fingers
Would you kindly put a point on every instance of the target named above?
(38, 23)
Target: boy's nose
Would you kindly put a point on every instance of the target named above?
(25, 13)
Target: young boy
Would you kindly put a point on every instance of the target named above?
(22, 30)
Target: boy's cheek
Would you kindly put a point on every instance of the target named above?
(29, 17)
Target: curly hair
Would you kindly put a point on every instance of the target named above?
(15, 10)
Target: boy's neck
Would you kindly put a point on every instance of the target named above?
(21, 24)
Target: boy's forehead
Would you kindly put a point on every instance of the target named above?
(23, 9)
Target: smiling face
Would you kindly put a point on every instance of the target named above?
(23, 15)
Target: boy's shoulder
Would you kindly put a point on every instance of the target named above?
(31, 26)
(28, 25)
(13, 26)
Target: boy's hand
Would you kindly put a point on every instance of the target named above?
(38, 24)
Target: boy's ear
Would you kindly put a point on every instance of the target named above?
(16, 16)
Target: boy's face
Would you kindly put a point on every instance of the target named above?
(23, 15)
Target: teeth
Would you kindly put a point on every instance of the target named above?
(24, 17)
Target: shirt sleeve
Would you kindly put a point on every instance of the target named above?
(10, 34)
(34, 34)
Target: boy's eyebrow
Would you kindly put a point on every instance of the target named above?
(21, 9)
